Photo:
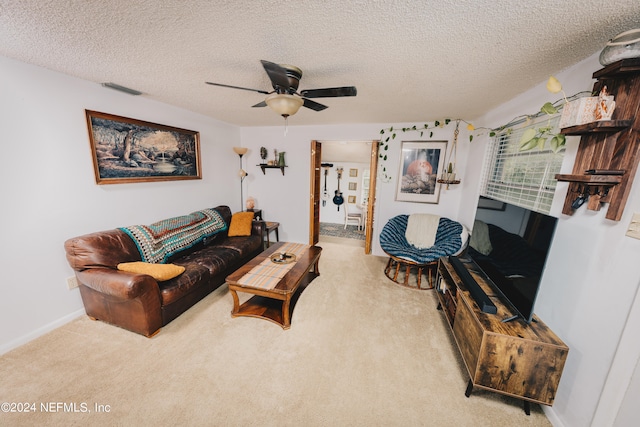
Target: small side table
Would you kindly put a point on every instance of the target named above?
(271, 226)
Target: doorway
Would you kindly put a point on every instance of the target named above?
(354, 165)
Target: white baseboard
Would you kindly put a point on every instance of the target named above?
(552, 416)
(41, 331)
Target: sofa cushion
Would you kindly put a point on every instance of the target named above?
(215, 259)
(242, 245)
(100, 249)
(194, 276)
(160, 272)
(241, 223)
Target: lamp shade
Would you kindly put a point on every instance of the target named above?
(284, 104)
(240, 150)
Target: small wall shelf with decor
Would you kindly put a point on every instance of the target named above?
(607, 157)
(264, 167)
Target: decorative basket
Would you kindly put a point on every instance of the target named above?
(579, 112)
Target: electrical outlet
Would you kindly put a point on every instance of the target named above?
(72, 282)
(634, 226)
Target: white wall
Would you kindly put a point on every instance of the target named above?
(330, 213)
(49, 194)
(590, 280)
(286, 198)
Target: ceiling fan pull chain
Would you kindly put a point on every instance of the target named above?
(286, 125)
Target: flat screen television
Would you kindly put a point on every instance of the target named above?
(510, 245)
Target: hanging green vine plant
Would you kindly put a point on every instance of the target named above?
(389, 134)
(531, 138)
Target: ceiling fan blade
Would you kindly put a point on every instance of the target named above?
(238, 87)
(332, 92)
(260, 104)
(277, 75)
(315, 106)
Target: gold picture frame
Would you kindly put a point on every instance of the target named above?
(126, 150)
(353, 173)
(353, 186)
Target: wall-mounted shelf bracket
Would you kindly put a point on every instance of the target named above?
(610, 126)
(264, 167)
(593, 189)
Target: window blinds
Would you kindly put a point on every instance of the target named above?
(522, 178)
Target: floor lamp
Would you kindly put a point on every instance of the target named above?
(241, 151)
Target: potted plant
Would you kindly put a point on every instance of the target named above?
(450, 174)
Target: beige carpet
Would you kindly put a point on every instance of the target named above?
(362, 351)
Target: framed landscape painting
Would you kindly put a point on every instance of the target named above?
(420, 164)
(127, 150)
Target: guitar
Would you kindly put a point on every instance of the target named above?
(338, 199)
(325, 193)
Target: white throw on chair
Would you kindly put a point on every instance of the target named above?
(352, 216)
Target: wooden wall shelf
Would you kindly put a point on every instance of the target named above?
(608, 145)
(618, 69)
(610, 126)
(265, 167)
(591, 179)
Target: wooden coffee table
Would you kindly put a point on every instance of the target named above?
(277, 303)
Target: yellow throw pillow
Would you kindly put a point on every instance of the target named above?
(160, 272)
(241, 224)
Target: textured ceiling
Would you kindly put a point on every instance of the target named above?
(411, 61)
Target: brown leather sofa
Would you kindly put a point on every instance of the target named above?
(138, 302)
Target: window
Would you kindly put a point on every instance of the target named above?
(522, 178)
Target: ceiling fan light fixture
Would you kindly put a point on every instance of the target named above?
(284, 104)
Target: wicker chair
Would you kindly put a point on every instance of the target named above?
(451, 239)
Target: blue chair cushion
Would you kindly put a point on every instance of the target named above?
(449, 240)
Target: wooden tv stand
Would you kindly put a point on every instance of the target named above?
(513, 358)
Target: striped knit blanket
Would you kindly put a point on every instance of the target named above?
(159, 241)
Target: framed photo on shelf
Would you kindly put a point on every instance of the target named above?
(127, 150)
(494, 205)
(353, 186)
(420, 165)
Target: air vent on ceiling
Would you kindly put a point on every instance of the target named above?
(122, 88)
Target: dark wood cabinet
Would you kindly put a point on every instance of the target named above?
(513, 358)
(611, 145)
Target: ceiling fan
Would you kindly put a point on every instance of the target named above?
(284, 99)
